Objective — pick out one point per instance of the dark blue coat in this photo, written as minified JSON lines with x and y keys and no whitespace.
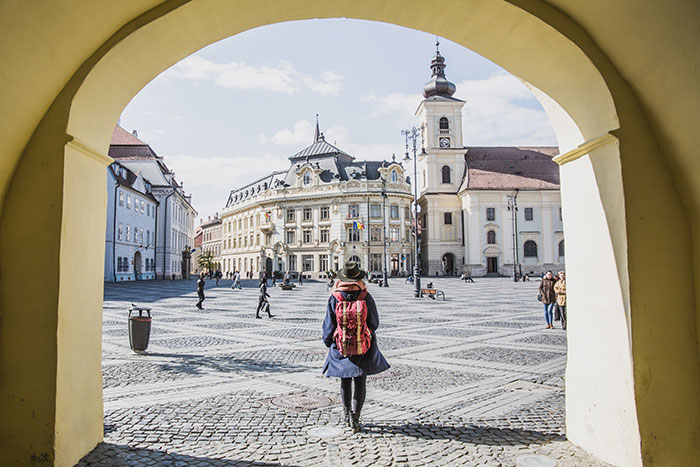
{"x":370,"y":363}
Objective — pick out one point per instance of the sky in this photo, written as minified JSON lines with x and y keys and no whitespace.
{"x":236,"y":110}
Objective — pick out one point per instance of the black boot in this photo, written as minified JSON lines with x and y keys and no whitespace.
{"x":345,"y":420}
{"x":355,"y":422}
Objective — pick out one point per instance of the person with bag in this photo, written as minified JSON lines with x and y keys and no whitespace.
{"x":548,"y":296}
{"x":200,"y":290}
{"x":263,"y":304}
{"x":349,"y":333}
{"x":560,"y":290}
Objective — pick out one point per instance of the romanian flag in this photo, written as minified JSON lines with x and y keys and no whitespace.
{"x":357,"y":225}
{"x":267,"y":216}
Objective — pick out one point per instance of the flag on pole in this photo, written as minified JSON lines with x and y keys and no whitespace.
{"x":357,"y":225}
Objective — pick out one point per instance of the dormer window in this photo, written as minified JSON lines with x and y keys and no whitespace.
{"x":307,"y":178}
{"x":394,"y":176}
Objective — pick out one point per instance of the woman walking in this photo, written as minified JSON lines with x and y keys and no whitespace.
{"x":549,"y":297}
{"x":560,"y":290}
{"x":349,"y":333}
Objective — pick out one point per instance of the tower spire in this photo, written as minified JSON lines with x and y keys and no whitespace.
{"x":317,"y":132}
{"x":438,"y":84}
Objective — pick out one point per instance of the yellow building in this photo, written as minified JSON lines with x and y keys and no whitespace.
{"x":618,"y":78}
{"x":323,"y":210}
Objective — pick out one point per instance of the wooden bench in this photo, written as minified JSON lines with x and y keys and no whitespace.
{"x":433,"y":293}
{"x":288,"y":287}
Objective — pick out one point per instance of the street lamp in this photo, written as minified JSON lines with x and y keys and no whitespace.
{"x":513,"y":208}
{"x":385,"y":277}
{"x":412,"y":135}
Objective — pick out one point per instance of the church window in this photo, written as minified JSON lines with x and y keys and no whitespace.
{"x":307,"y":214}
{"x":394,"y":211}
{"x":491,"y":237}
{"x":528,"y":214}
{"x":448,"y":218}
{"x":561,"y":248}
{"x":530,"y":249}
{"x":444,"y":123}
{"x":307,"y":178}
{"x":394,"y":176}
{"x":490,"y":214}
{"x":446,"y":174}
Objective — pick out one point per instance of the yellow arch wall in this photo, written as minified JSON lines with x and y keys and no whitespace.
{"x":633,"y":376}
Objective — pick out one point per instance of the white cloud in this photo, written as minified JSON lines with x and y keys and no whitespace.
{"x":395,"y":104}
{"x":282,"y":78}
{"x":302,"y":133}
{"x":500,"y":110}
{"x":210,"y":179}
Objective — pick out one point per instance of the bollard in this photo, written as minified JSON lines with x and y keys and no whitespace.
{"x":139,"y":328}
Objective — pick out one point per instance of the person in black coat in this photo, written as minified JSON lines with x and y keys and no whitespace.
{"x":262,"y":300}
{"x":200,"y":290}
{"x":354,"y":368}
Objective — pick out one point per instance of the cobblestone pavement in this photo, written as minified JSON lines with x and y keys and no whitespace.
{"x":475,"y":380}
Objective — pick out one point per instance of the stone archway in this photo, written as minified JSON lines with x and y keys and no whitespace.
{"x":137,"y":265}
{"x":59,"y":139}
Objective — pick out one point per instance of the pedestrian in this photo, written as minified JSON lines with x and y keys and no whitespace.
{"x":274,"y":279}
{"x":560,"y":290}
{"x":352,"y":343}
{"x":549,"y":297}
{"x":286,"y":278}
{"x":236,"y":280}
{"x":263,"y":303}
{"x":218,"y":275}
{"x":301,"y":279}
{"x":200,"y":290}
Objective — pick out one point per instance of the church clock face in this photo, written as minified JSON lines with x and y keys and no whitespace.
{"x":444,"y":142}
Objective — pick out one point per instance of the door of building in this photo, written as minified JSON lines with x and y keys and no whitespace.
{"x":492,"y":265}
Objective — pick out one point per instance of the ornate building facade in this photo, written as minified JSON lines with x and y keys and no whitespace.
{"x":484,"y":210}
{"x":322,"y":210}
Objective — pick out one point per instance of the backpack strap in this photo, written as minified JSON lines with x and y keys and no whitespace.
{"x":339,"y":296}
{"x":362,"y":295}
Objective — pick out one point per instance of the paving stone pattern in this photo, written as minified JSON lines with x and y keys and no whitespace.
{"x":475,"y":380}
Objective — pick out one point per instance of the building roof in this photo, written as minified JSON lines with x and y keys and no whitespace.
{"x":129,"y":179}
{"x":499,"y":168}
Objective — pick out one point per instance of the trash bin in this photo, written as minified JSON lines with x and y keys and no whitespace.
{"x":139,"y":328}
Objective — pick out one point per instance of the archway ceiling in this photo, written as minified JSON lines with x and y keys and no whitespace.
{"x":652,"y":44}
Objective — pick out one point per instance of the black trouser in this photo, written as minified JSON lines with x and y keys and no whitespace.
{"x":562,"y":313}
{"x":261,"y":302}
{"x":201,"y":299}
{"x":358,"y":398}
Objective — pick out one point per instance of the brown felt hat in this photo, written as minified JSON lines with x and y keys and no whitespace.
{"x":351,"y":272}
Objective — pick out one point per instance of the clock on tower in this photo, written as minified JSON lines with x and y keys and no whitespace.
{"x":444,"y":142}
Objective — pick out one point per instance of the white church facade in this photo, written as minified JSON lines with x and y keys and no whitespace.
{"x":484,"y":210}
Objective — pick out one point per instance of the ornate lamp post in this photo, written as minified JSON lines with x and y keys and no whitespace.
{"x":513,"y":208}
{"x":412,"y":135}
{"x":385,"y":277}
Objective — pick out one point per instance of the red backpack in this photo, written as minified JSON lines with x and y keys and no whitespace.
{"x":352,"y":336}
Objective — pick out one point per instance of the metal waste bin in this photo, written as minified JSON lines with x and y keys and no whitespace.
{"x":139,"y":328}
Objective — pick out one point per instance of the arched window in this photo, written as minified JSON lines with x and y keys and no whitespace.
{"x":307,"y":178}
{"x":394,"y":176}
{"x":444,"y":123}
{"x":561,"y":248}
{"x":530,"y":249}
{"x":446,"y":175}
{"x":491,"y":237}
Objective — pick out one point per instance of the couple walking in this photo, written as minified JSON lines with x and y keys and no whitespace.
{"x":553,"y":296}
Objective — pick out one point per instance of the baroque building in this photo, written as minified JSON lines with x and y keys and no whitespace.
{"x":325,"y":208}
{"x":174,"y":215}
{"x":484,"y":210}
{"x":211,"y":239}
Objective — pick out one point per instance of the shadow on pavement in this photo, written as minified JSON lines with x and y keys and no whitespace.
{"x":468,"y":433}
{"x":199,"y":364}
{"x":107,"y":454}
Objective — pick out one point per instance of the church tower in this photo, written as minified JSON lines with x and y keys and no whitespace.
{"x":441,"y":169}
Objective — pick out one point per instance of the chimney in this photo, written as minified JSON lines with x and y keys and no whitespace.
{"x":135,"y":133}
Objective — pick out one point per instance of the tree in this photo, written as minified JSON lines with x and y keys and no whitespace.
{"x":206,"y":261}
